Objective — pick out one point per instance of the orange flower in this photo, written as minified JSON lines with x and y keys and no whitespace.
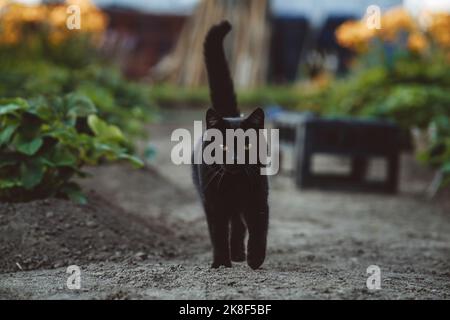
{"x":4,"y":3}
{"x":322,"y":80}
{"x":85,"y":5}
{"x":395,"y":21}
{"x":14,"y":16}
{"x":354,"y":35}
{"x":92,"y":19}
{"x":33,"y":13}
{"x":439,"y":29}
{"x":57,"y":36}
{"x":58,"y":17}
{"x":9,"y":36}
{"x":417,"y":42}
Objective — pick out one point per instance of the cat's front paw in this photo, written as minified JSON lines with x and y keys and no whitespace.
{"x":237,"y":251}
{"x":217,"y":264}
{"x":255,"y":264}
{"x":238,"y":256}
{"x":254,"y":261}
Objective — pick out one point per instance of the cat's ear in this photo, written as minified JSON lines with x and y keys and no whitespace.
{"x":213,"y":119}
{"x":256,"y":119}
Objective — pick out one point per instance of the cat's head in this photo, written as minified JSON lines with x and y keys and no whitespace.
{"x":250,"y":126}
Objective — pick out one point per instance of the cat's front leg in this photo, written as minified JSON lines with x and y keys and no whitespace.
{"x":257,"y":224}
{"x":219,"y":224}
{"x":238,"y":231}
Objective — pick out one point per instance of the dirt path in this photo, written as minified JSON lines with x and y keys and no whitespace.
{"x":320,"y":243}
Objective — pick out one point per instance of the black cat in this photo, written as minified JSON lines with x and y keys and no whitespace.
{"x":233,"y":195}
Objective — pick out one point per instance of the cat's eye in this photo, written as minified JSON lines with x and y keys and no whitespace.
{"x":248,"y":146}
{"x":224,"y":147}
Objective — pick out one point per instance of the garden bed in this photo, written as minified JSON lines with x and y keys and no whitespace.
{"x":56,"y":233}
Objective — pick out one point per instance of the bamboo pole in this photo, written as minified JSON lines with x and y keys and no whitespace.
{"x":247,"y":46}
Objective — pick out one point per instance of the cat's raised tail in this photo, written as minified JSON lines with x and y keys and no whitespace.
{"x":221,"y":87}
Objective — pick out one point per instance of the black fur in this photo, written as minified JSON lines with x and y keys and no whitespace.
{"x":222,"y":93}
{"x":234,"y":196}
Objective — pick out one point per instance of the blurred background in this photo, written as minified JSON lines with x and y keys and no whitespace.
{"x":132,"y":57}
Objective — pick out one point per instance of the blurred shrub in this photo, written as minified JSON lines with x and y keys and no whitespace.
{"x":44,"y":144}
{"x":168,"y":95}
{"x":34,"y":31}
{"x":402,"y":73}
{"x":399,"y":28}
{"x":75,"y":108}
{"x":39,"y":55}
{"x":288,"y":96}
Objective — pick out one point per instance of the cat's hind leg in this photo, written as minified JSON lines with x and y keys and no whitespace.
{"x":219,"y":226}
{"x":257,"y":224}
{"x":237,"y":245}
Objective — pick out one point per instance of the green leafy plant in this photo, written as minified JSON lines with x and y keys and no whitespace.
{"x":287,"y":96}
{"x":44,"y":143}
{"x":118,"y":101}
{"x":121,"y":102}
{"x":39,"y":56}
{"x":437,"y":153}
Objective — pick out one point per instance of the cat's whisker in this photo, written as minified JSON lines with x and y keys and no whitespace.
{"x":220,"y":170}
{"x":220,"y":179}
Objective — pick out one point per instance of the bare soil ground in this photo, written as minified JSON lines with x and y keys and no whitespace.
{"x":143,"y":236}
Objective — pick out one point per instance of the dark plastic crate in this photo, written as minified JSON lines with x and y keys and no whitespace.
{"x":358,"y":139}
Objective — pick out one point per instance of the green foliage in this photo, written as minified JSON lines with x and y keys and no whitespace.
{"x":75,"y":108}
{"x":44,"y":143}
{"x":168,"y":95}
{"x":119,"y":101}
{"x":39,"y":66}
{"x":438,"y":152}
{"x":288,"y":96}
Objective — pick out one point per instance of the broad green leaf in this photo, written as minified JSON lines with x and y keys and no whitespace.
{"x":80,"y":105}
{"x":32,"y":173}
{"x":135,"y":161}
{"x":28,"y":147}
{"x":6,"y":133}
{"x":64,"y":134}
{"x":74,"y":193}
{"x":104,"y":147}
{"x":102,"y":97}
{"x":48,"y":162}
{"x":6,"y":183}
{"x":62,"y":157}
{"x":40,"y":108}
{"x":8,"y":106}
{"x":77,"y":197}
{"x":104,"y":131}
